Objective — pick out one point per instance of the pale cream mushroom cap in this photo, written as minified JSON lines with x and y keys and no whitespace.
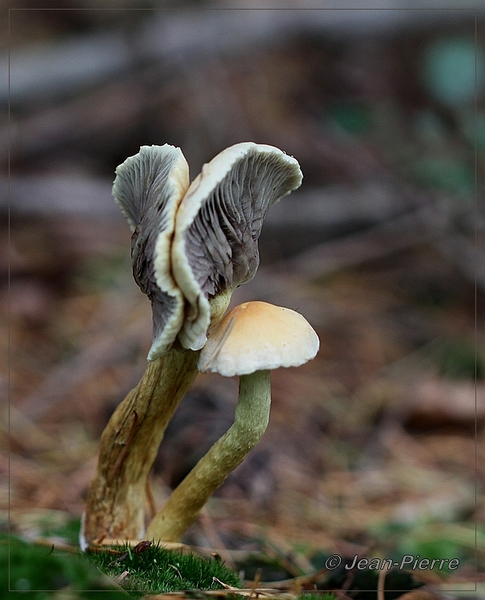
{"x":257,"y":336}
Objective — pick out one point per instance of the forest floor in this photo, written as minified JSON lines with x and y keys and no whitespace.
{"x":375,"y":448}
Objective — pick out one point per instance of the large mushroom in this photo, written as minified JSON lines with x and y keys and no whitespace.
{"x":218,"y":225}
{"x":191,"y":247}
{"x":250,"y":341}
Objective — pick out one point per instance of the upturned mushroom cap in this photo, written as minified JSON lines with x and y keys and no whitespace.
{"x":148,"y":188}
{"x":192,"y":246}
{"x":218,"y":225}
{"x":257,"y":336}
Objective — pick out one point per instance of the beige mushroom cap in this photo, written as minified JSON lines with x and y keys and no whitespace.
{"x":257,"y":336}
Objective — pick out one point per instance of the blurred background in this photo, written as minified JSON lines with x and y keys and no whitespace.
{"x":376,"y":446}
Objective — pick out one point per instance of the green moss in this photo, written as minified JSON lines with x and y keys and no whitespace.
{"x":157,"y":570}
{"x":37,"y":572}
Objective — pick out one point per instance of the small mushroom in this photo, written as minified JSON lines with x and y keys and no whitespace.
{"x":191,"y":247}
{"x":251,"y":339}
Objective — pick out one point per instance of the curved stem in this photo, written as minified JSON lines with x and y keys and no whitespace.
{"x":129,"y":444}
{"x":250,"y":422}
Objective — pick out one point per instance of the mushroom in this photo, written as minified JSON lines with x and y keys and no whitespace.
{"x":218,"y":224}
{"x":191,"y":247}
{"x":149,"y":188}
{"x":252,"y":339}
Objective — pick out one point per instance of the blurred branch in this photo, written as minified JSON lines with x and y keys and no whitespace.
{"x":428,"y":224}
{"x":45,"y":70}
{"x":357,"y":248}
{"x":319,"y":211}
{"x":58,"y":196}
{"x":310,"y":216}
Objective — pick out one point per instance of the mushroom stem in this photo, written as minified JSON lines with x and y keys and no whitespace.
{"x":188,"y":498}
{"x":129,"y":444}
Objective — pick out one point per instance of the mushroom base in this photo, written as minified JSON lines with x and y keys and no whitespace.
{"x":129,"y":444}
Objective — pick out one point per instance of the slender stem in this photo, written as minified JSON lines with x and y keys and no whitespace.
{"x":129,"y":444}
{"x":186,"y":501}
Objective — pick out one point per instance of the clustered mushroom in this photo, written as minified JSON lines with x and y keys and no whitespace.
{"x":192,"y":245}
